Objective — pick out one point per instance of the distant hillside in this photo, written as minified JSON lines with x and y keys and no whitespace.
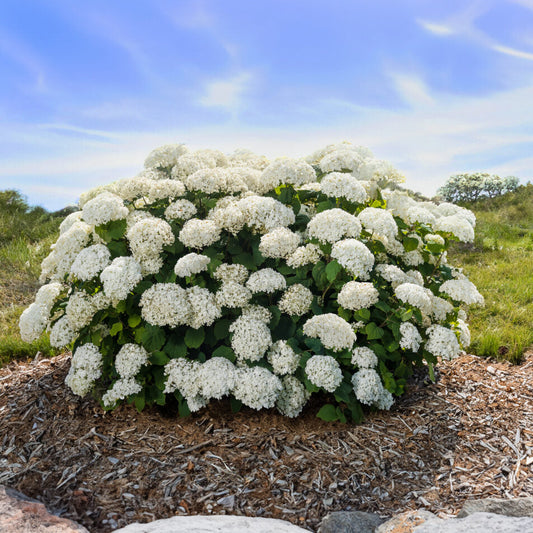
{"x":500,"y":263}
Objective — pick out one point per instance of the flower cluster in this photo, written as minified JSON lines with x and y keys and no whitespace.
{"x":210,"y":275}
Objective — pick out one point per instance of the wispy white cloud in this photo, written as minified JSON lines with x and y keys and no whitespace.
{"x":412,"y":89}
{"x":436,"y":29}
{"x":513,"y":52}
{"x":227,"y":93}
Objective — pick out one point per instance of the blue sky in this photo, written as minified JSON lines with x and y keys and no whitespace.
{"x":87,"y":89}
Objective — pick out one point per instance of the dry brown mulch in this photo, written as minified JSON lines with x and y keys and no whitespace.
{"x":470,"y":435}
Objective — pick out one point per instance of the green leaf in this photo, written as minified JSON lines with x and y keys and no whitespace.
{"x":225,"y":351}
{"x":340,"y":415}
{"x":194,"y":337}
{"x":314,"y":345}
{"x":344,"y":313}
{"x":276,"y":315}
{"x":159,"y":358}
{"x":344,"y":392}
{"x":431,"y":372}
{"x":373,"y":331}
{"x":333,"y":268}
{"x":96,"y":337}
{"x":134,"y":321}
{"x":319,"y":275}
{"x":245,"y":259}
{"x":363,"y":314}
{"x":221,"y":329}
{"x":383,"y":306}
{"x":115,"y":328}
{"x":323,"y":206}
{"x":140,"y":402}
{"x":112,"y":231}
{"x":328,"y":413}
{"x":406,"y":315}
{"x":435,"y":248}
{"x":175,"y":347}
{"x":121,"y":306}
{"x":153,"y":338}
{"x":410,"y":244}
{"x":118,"y":248}
{"x":236,"y":405}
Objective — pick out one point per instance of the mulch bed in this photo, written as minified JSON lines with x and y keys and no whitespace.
{"x":470,"y":435}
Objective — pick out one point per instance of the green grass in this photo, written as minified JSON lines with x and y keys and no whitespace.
{"x":26,"y":234}
{"x":500,"y":263}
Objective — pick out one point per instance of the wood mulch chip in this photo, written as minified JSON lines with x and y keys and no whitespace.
{"x":470,"y":435}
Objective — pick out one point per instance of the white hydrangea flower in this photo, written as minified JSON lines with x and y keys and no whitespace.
{"x":332,"y":330}
{"x":343,"y":185}
{"x":183,"y":376}
{"x":356,"y":295}
{"x":180,"y":210}
{"x":132,"y":189}
{"x":266,"y":280}
{"x":198,"y":233}
{"x":217,"y":377}
{"x":129,"y":360}
{"x":121,"y":389}
{"x":233,"y":295}
{"x":163,"y":189}
{"x":296,"y":300}
{"x":364,"y":357}
{"x":85,"y":369}
{"x":464,"y":333}
{"x":61,"y":334}
{"x":228,"y":215}
{"x":77,"y":216}
{"x":215,"y":180}
{"x":292,"y":397}
{"x":456,"y":225}
{"x":235,"y":272}
{"x":396,"y":276}
{"x":104,"y":208}
{"x":257,"y":312}
{"x":442,"y":342}
{"x":411,"y":338}
{"x":317,"y":155}
{"x":251,"y":177}
{"x":135,"y":216}
{"x":354,"y":256}
{"x":342,"y":159}
{"x":379,"y":222}
{"x":257,"y":387}
{"x":279,"y":243}
{"x":379,"y":170}
{"x":263,"y":214}
{"x":433,"y":238}
{"x":121,"y":277}
{"x":385,"y":400}
{"x":191,"y":264}
{"x":32,"y":322}
{"x":462,"y":290}
{"x":80,"y":310}
{"x":288,"y":171}
{"x":367,"y":386}
{"x":90,"y":262}
{"x":203,"y":306}
{"x":283,"y":358}
{"x":247,"y":160}
{"x":447,"y":209}
{"x":188,"y":164}
{"x":420,"y":215}
{"x":251,"y":338}
{"x":332,"y":225}
{"x":324,"y":371}
{"x":48,"y":294}
{"x":440,"y":308}
{"x":414,"y":295}
{"x":165,"y":304}
{"x":147,"y":239}
{"x":305,"y":255}
{"x":412,"y":258}
{"x":165,"y":156}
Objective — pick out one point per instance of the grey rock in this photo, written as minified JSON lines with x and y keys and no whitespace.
{"x":478,"y":523}
{"x":515,"y":507}
{"x":350,"y":522}
{"x":213,"y":524}
{"x":20,"y":514}
{"x":405,"y":522}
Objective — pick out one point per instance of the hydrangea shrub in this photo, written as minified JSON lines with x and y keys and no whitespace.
{"x":212,"y":275}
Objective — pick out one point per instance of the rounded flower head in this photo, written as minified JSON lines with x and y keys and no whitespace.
{"x":251,"y":338}
{"x":257,"y":387}
{"x":332,"y":330}
{"x":165,"y":304}
{"x":283,"y":358}
{"x":324,"y":371}
{"x":296,"y":300}
{"x":180,"y":210}
{"x":198,"y":233}
{"x":291,"y":171}
{"x":266,"y":280}
{"x":90,"y":262}
{"x":356,"y":295}
{"x":462,"y":290}
{"x":130,"y":359}
{"x":367,"y":386}
{"x":332,"y":225}
{"x":292,"y":397}
{"x":191,"y":264}
{"x":121,"y":277}
{"x":104,"y":208}
{"x":343,"y":185}
{"x":354,"y":256}
{"x":279,"y":243}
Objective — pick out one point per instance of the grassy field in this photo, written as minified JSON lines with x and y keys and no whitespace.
{"x":500,"y":263}
{"x":26,"y":234}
